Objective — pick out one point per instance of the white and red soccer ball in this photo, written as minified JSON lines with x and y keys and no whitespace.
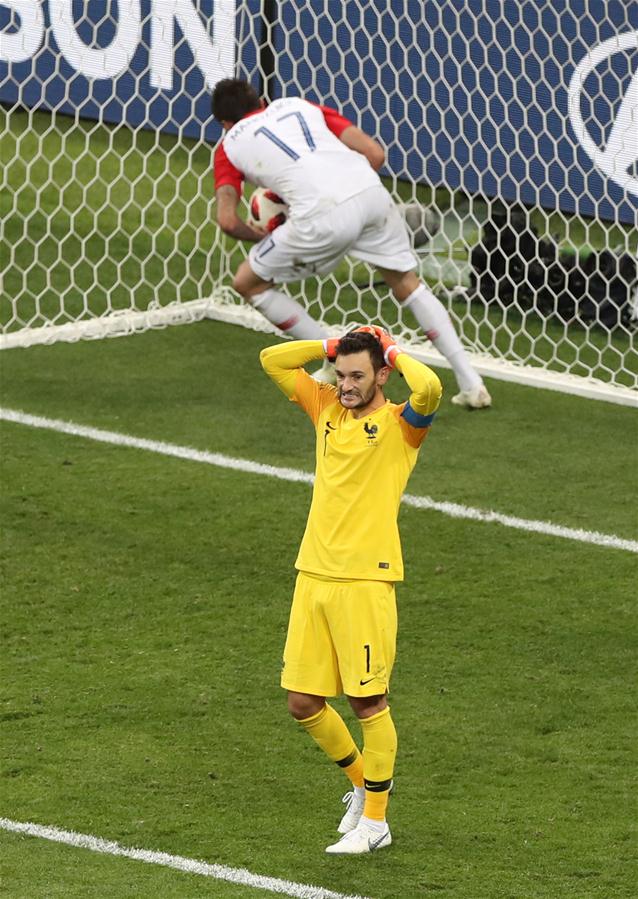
{"x":267,"y":210}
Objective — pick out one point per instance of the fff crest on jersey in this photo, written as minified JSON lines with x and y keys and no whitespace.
{"x":371,"y":431}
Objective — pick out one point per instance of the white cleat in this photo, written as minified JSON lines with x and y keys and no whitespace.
{"x":355,"y":800}
{"x":361,"y":840}
{"x":325,"y":375}
{"x":477,"y":398}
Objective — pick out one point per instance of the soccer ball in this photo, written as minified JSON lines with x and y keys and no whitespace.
{"x":267,"y":210}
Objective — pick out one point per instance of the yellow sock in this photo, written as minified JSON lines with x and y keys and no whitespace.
{"x":379,"y":752}
{"x":328,"y":729}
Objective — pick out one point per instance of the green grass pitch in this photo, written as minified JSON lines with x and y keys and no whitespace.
{"x":144,"y":608}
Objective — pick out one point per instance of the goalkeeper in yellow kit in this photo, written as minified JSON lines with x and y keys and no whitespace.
{"x":343,"y":620}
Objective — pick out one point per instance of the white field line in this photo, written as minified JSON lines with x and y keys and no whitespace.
{"x":454,"y":510}
{"x":189,"y":865}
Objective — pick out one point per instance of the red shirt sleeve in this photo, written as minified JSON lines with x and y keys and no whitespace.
{"x":225,"y":172}
{"x":335,"y":122}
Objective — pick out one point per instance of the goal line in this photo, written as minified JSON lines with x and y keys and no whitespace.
{"x":223,"y":307}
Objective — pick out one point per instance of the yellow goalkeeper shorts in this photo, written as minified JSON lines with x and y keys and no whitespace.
{"x":341,"y":637}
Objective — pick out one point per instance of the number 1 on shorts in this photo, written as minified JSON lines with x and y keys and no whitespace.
{"x":366,"y":646}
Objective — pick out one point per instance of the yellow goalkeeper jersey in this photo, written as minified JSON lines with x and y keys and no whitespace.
{"x":362,"y":466}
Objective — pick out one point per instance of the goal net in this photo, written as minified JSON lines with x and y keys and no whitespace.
{"x":511,"y":133}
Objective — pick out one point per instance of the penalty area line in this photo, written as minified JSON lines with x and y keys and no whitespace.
{"x":179,"y":863}
{"x":453,"y":510}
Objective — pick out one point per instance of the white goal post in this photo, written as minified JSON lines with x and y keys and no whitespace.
{"x":511,"y":133}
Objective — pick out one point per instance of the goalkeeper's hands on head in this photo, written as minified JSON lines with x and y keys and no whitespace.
{"x":388,"y":345}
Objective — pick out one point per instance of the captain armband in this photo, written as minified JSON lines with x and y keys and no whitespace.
{"x":415,"y":418}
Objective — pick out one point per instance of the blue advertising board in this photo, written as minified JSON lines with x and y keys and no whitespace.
{"x":149,"y":63}
{"x":475,"y":94}
{"x":531,"y":102}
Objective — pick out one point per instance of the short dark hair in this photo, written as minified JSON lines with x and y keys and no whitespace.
{"x":234,"y":98}
{"x":359,"y":342}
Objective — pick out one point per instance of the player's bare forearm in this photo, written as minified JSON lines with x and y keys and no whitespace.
{"x":241,"y":230}
{"x":360,"y":142}
{"x":229,"y":220}
{"x":423,"y":382}
{"x":282,"y":361}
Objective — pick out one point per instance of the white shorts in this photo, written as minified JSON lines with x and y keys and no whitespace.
{"x":367,"y":226}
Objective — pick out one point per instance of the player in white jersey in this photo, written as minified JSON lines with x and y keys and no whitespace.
{"x":325,"y":170}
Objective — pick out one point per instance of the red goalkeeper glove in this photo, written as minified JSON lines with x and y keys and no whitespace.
{"x":389,"y":347}
{"x":330,"y":348}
